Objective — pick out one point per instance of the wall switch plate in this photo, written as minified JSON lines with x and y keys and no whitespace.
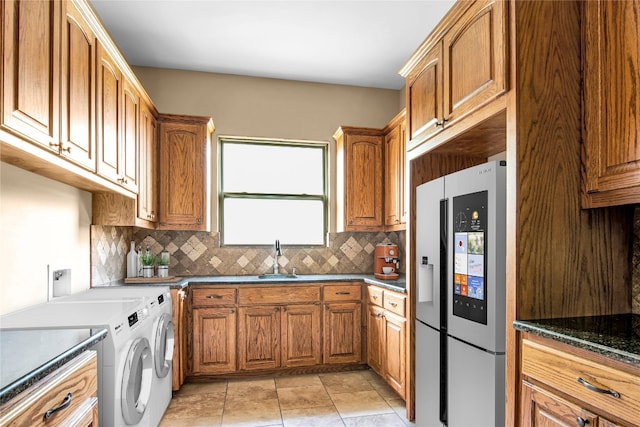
{"x":58,"y":281}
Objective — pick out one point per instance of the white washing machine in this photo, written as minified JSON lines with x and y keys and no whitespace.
{"x":161,"y":337}
{"x":125,"y":362}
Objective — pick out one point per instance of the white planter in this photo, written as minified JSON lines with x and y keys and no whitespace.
{"x":147,"y":271}
{"x":163,"y":271}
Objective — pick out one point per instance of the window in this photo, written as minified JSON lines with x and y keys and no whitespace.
{"x":272,"y":190}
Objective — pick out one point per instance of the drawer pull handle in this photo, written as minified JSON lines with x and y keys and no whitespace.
{"x":581,"y":422}
{"x":214,"y":296}
{"x":343,"y":293}
{"x":393,"y":304}
{"x":64,"y":405}
{"x":374,"y":296}
{"x":598,"y":389}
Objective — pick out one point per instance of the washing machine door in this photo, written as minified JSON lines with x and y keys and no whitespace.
{"x":163,"y":347}
{"x":136,"y":381}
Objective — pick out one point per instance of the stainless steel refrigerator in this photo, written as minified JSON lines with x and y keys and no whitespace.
{"x":460,"y":301}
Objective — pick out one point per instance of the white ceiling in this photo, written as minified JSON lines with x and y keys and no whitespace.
{"x":355,"y":42}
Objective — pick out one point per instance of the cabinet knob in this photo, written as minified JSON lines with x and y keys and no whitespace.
{"x":581,"y":422}
{"x":276,"y":309}
{"x":232,"y":311}
{"x":198,"y":220}
{"x":374,"y":296}
{"x":440,"y":124}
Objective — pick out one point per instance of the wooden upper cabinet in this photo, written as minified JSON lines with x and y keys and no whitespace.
{"x":474,"y":59}
{"x":394,"y":174}
{"x":424,"y":96}
{"x":78,"y":98}
{"x":130,"y":134}
{"x":360,"y":179}
{"x":31,"y":70}
{"x":611,"y":127}
{"x":148,"y":159}
{"x":183,"y":185}
{"x":460,"y":68}
{"x":108,"y":120}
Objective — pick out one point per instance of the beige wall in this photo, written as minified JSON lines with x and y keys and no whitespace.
{"x":41,"y":222}
{"x":269,"y":108}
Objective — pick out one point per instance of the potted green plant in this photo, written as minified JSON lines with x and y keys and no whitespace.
{"x":163,"y":264}
{"x":147,"y":259}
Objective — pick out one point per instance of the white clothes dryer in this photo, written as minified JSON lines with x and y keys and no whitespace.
{"x":161,"y":337}
{"x":125,"y":364}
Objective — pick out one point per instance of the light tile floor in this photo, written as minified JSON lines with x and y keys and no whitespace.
{"x":345,"y":399}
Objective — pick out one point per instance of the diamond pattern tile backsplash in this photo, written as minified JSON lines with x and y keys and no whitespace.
{"x":200,"y":254}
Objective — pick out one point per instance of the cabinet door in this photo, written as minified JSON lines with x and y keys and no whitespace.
{"x":364,"y":183}
{"x":259,"y":337}
{"x":474,"y":59}
{"x":394,"y":352}
{"x":179,"y":367}
{"x":375,"y":339}
{"x":424,"y":96}
{"x":109,"y":90}
{"x":78,"y":89}
{"x":394,"y":169}
{"x":182,"y":172}
{"x":611,"y":155}
{"x":31,"y":70}
{"x":147,"y":180}
{"x":342,"y":333}
{"x":301,"y":335}
{"x":214,"y":340}
{"x":130,"y":135}
{"x":540,"y":408}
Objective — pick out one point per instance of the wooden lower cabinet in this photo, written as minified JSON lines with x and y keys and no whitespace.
{"x":179,"y":368}
{"x":273,"y":337}
{"x":386,"y":336}
{"x":214,"y":340}
{"x":76,"y":382}
{"x":259,"y":337}
{"x":342,"y":332}
{"x":394,"y":352}
{"x":553,"y":395}
{"x":241,"y":329}
{"x":301,"y":335}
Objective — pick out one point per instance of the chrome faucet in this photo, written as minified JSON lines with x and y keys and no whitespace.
{"x":278,"y":253}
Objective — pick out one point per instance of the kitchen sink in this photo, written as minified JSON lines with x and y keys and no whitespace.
{"x":278,"y":276}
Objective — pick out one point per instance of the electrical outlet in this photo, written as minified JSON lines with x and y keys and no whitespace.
{"x":58,"y":281}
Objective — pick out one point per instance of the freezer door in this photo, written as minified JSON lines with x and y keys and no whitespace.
{"x":427,"y":376}
{"x":476,"y":386}
{"x":461,"y":188}
{"x":428,"y":197}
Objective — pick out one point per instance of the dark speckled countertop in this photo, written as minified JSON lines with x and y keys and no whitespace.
{"x":27,"y":356}
{"x":614,"y":336}
{"x":398,"y":285}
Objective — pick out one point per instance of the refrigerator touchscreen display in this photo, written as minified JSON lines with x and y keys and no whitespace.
{"x":469,"y":243}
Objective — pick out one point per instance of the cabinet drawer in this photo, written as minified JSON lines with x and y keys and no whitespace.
{"x":374,"y":295}
{"x":213,"y":296}
{"x":394,"y":303}
{"x":561,"y":370}
{"x":279,"y":295}
{"x":79,"y":378}
{"x":343,"y":292}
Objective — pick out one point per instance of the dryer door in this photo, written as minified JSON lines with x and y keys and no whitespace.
{"x":136,"y":381}
{"x":163,"y":345}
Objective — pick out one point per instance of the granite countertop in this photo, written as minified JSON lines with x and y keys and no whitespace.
{"x":28,"y":355}
{"x":613,"y":336}
{"x":398,"y":285}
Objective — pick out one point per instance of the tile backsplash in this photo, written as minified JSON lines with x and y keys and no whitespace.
{"x":200,"y":254}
